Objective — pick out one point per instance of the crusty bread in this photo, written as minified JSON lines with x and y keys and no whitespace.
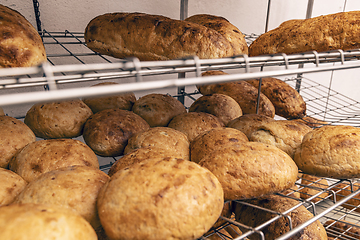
{"x":330,"y":151}
{"x":43,"y":156}
{"x":123,"y":101}
{"x":162,"y":137}
{"x":153,"y":37}
{"x":287,"y":101}
{"x":11,"y":184}
{"x":225,"y":28}
{"x":344,"y":189}
{"x":160,"y":198}
{"x":14,"y":136}
{"x":74,"y":187}
{"x":347,"y":229}
{"x":220,"y":105}
{"x":253,"y":217}
{"x":204,"y":144}
{"x":62,"y":119}
{"x":158,"y":109}
{"x":107,"y":132}
{"x":312,"y":185}
{"x":43,"y":221}
{"x":322,"y":33}
{"x":20,"y":43}
{"x":251,"y":170}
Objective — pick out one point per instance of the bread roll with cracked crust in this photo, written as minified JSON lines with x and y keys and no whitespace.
{"x":153,"y":37}
{"x":11,"y":185}
{"x":251,"y":170}
{"x":20,"y":43}
{"x":330,"y":151}
{"x":136,"y":202}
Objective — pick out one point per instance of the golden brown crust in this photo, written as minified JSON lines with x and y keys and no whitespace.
{"x":346,"y":228}
{"x":136,"y":202}
{"x":253,"y":217}
{"x":330,"y":151}
{"x":153,"y":37}
{"x":195,"y":123}
{"x":323,"y":33}
{"x":158,"y":109}
{"x":220,"y":105}
{"x":74,"y":187}
{"x":123,"y":101}
{"x":225,"y":28}
{"x":11,"y":185}
{"x":15,"y":135}
{"x":161,"y":137}
{"x":243,"y":93}
{"x":47,"y":155}
{"x":107,"y":132}
{"x":40,"y":221}
{"x":20,"y":43}
{"x":313,"y":185}
{"x":204,"y":144}
{"x":283,"y":134}
{"x":344,"y":189}
{"x":63,"y":119}
{"x":251,"y":170}
{"x":287,"y":101}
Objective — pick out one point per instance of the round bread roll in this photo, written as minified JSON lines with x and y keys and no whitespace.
{"x":222,"y":106}
{"x":63,"y":119}
{"x":204,"y":144}
{"x":46,"y":155}
{"x":123,"y":101}
{"x":158,"y":109}
{"x":74,"y":187}
{"x":253,"y":217}
{"x":284,"y":134}
{"x":14,"y":136}
{"x":249,"y":123}
{"x":312,"y":185}
{"x":107,"y":132}
{"x":195,"y":123}
{"x":11,"y":185}
{"x":40,"y":221}
{"x":330,"y":151}
{"x":163,"y":137}
{"x":251,"y":170}
{"x":20,"y":43}
{"x":160,"y":198}
{"x":139,"y":155}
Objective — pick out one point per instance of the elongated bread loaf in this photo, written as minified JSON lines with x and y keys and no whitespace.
{"x":323,"y":33}
{"x":153,"y":37}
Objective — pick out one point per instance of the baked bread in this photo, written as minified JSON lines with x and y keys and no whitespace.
{"x":287,"y":101}
{"x":41,"y":221}
{"x":251,"y":170}
{"x":345,"y":228}
{"x":20,"y":43}
{"x":312,"y":185}
{"x":344,"y":189}
{"x":14,"y":136}
{"x":225,"y":28}
{"x":163,"y":137}
{"x":153,"y":37}
{"x":311,"y":121}
{"x":283,"y":134}
{"x":158,"y":109}
{"x":243,"y":93}
{"x":64,"y":119}
{"x":195,"y":123}
{"x":107,"y":132}
{"x":11,"y":185}
{"x":330,"y":151}
{"x":222,"y":106}
{"x":204,"y":144}
{"x":160,"y":198}
{"x":43,"y":156}
{"x":253,"y":217}
{"x":249,"y":123}
{"x":74,"y":187}
{"x":322,"y":33}
{"x":123,"y":101}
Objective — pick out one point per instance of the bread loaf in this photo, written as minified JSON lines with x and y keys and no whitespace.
{"x":345,"y":228}
{"x":323,"y":33}
{"x":20,"y":43}
{"x":153,"y":37}
{"x":312,"y":185}
{"x":11,"y":184}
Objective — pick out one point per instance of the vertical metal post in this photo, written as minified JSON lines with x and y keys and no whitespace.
{"x":267,"y":16}
{"x":37,"y":15}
